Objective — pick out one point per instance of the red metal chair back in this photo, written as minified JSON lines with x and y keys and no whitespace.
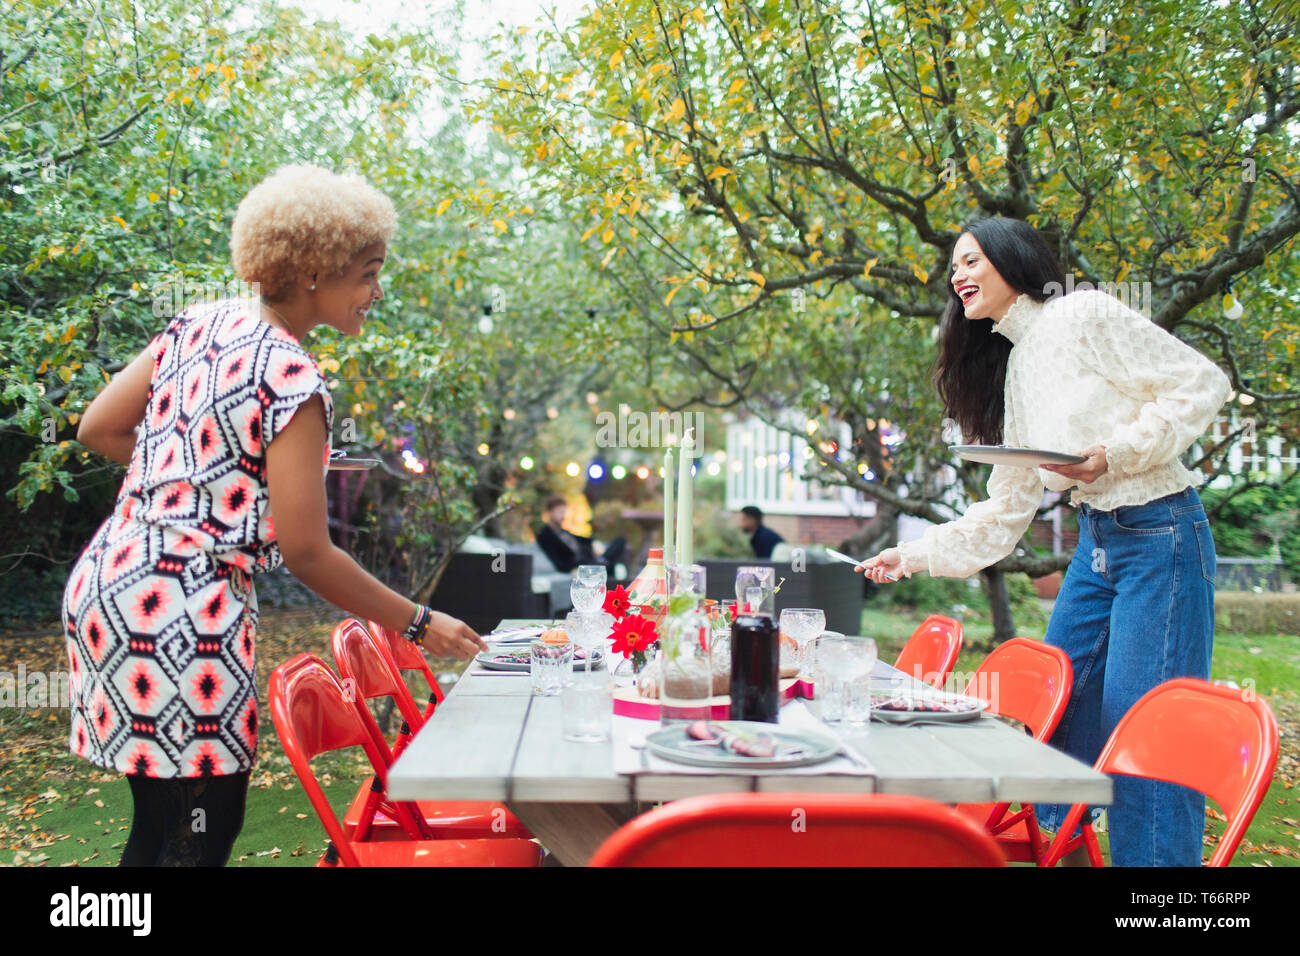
{"x":1025,"y":680}
{"x":313,"y":715}
{"x":1028,"y":681}
{"x":367,"y":661}
{"x":806,"y":829}
{"x":931,"y":651}
{"x":1221,"y":741}
{"x":408,"y":657}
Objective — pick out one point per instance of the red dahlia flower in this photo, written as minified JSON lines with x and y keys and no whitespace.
{"x":633,"y":634}
{"x":617,"y":602}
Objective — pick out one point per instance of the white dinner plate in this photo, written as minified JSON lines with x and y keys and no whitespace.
{"x":907,"y":707}
{"x":353,"y":464}
{"x":793,"y":749}
{"x":1018,"y":457}
{"x":512,"y":657}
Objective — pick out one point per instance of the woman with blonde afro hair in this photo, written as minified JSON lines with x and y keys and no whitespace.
{"x":223,"y":423}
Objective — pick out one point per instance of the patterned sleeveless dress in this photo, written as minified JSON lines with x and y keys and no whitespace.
{"x":160,"y":612}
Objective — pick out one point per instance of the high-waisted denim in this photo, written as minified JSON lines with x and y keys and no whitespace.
{"x":1136,"y":609}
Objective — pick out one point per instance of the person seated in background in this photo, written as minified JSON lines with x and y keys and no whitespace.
{"x":568,"y":550}
{"x":761,"y":538}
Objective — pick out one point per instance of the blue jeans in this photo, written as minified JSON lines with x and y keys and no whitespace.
{"x":1136,"y":609}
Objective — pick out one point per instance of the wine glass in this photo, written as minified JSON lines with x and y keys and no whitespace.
{"x":847,"y":663}
{"x":803,"y":624}
{"x":587,"y":589}
{"x":587,"y":629}
{"x":755,"y":585}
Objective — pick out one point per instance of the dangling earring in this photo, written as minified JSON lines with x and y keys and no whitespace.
{"x":313,"y":287}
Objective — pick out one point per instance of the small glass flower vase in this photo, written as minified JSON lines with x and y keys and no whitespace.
{"x":685,"y":669}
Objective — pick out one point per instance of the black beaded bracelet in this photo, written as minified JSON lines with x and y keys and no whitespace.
{"x":415,"y":631}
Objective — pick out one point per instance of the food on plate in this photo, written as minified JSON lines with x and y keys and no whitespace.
{"x":746,"y":745}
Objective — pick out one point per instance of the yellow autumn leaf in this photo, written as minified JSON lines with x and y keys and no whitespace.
{"x":120,"y":221}
{"x":757,"y":279}
{"x":443,"y":207}
{"x":615,"y":58}
{"x":68,"y":335}
{"x":870,"y":264}
{"x":676,"y":111}
{"x":668,"y":299}
{"x":541,"y":151}
{"x":154,"y":197}
{"x":45,"y":363}
{"x":1022,"y":113}
{"x":609,"y":255}
{"x":499,"y":225}
{"x":736,"y":86}
{"x":719,"y":172}
{"x":918,"y":272}
{"x":607,"y":236}
{"x":74,"y":418}
{"x":587,"y":235}
{"x":65,"y":373}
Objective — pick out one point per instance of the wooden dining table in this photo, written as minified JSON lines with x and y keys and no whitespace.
{"x":492,"y":739}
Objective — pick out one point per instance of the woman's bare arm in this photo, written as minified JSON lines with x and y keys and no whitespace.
{"x":298,"y":506}
{"x":108,"y":424}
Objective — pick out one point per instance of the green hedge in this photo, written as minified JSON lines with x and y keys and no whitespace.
{"x":1242,"y":612}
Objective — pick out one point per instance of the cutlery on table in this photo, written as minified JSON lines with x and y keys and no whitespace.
{"x":841,"y":556}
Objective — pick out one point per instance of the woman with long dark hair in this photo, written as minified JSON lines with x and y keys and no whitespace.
{"x":1023,"y":365}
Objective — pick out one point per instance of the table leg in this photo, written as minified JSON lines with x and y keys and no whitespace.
{"x":573,"y":831}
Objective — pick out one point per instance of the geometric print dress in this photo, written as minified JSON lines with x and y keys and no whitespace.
{"x":160,"y":612}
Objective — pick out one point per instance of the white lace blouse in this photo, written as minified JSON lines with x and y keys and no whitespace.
{"x":1084,"y":369}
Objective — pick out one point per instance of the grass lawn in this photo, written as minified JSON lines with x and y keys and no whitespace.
{"x":57,"y":810}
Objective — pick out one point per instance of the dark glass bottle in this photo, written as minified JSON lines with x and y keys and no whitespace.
{"x":755,"y":668}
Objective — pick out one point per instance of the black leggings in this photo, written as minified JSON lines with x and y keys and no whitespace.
{"x":186,"y":821}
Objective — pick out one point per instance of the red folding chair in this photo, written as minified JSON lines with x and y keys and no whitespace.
{"x":800,"y":829}
{"x":1028,"y":681}
{"x":369,"y":671}
{"x":313,"y":716}
{"x":409,"y":657}
{"x":1195,"y":734}
{"x":931,"y":651}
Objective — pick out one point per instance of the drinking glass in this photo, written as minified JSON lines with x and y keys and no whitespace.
{"x":587,"y":707}
{"x":755,"y":587}
{"x":684,"y":579}
{"x":551,"y":666}
{"x":803,"y":624}
{"x":844,"y":666}
{"x":685,"y":669}
{"x":587,"y":590}
{"x":587,"y":630}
